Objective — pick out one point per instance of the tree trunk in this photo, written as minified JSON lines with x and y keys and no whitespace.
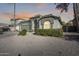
{"x":76,"y":15}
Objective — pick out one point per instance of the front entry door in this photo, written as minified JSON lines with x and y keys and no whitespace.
{"x":47,"y":25}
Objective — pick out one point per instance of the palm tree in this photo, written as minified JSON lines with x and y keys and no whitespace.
{"x":64,"y":7}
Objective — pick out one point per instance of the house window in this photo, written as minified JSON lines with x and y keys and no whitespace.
{"x":47,"y":25}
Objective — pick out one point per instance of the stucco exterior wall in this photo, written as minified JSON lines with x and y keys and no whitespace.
{"x":40,"y":25}
{"x":56,"y":24}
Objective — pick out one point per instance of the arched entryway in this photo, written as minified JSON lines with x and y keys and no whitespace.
{"x":47,"y":25}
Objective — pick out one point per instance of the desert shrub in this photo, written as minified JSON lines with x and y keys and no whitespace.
{"x":23,"y":32}
{"x":49,"y":32}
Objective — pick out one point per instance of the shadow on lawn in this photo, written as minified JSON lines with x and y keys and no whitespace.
{"x":72,"y":37}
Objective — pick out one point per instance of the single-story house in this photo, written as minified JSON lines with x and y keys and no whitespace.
{"x":24,"y":25}
{"x":46,"y":22}
{"x":40,"y":22}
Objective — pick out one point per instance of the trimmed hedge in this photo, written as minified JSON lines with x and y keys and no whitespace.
{"x":23,"y":32}
{"x":49,"y":32}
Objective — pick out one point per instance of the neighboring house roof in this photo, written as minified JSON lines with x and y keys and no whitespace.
{"x":20,"y":19}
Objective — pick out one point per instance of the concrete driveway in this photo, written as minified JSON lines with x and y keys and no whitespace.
{"x":33,"y":45}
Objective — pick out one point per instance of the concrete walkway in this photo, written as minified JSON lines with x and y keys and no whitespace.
{"x":33,"y":45}
{"x":71,"y":33}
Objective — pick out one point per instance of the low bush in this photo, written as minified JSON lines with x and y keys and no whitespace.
{"x":23,"y":32}
{"x":49,"y":32}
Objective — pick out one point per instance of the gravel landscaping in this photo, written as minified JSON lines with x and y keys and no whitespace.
{"x":33,"y":45}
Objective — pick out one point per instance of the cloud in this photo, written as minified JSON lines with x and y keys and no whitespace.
{"x":6,"y":15}
{"x":24,"y":15}
{"x":65,"y":16}
{"x":41,"y":5}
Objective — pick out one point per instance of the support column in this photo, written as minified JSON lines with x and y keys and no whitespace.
{"x":33,"y":25}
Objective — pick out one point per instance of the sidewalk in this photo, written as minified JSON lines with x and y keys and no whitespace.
{"x":70,"y":33}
